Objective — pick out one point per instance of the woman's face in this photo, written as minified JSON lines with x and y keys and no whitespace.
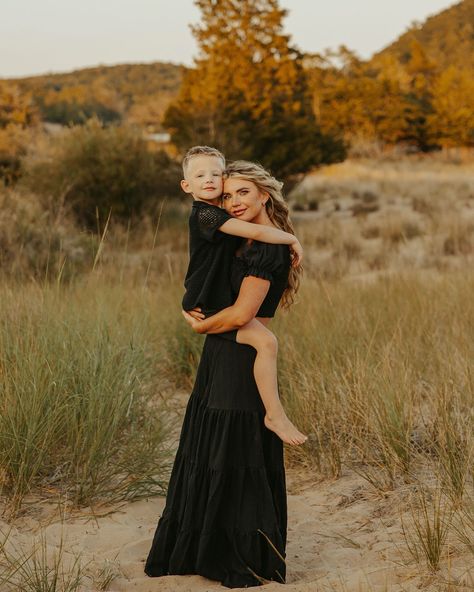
{"x":243,"y":200}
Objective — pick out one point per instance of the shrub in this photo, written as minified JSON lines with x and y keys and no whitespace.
{"x":34,"y":244}
{"x":95,"y":169}
{"x":370,"y":231}
{"x":13,"y":142}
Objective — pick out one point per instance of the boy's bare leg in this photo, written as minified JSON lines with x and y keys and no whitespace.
{"x":262,"y":339}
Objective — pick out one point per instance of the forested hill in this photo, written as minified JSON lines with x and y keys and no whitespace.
{"x":447,"y":38}
{"x":138,"y":93}
{"x":418,"y":89}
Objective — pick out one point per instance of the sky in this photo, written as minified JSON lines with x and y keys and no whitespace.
{"x":39,"y":36}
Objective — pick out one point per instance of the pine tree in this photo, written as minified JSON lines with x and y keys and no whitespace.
{"x":248,"y":93}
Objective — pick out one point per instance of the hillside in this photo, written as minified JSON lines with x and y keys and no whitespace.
{"x":447,"y":38}
{"x":138,"y":93}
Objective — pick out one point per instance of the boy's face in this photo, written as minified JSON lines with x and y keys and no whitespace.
{"x":203,"y":177}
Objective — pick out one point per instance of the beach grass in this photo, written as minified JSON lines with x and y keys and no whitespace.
{"x":380,"y":374}
{"x":81,"y":411}
{"x":375,"y":360}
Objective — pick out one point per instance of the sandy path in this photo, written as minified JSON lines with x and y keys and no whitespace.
{"x":342,"y":536}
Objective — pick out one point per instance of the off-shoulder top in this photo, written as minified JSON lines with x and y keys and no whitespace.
{"x":266,"y":261}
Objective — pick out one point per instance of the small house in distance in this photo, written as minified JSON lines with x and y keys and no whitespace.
{"x":159,"y":137}
{"x":160,"y":141}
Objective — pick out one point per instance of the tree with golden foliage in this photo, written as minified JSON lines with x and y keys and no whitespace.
{"x":452,"y":120}
{"x":248,"y":93}
{"x":15,"y":107}
{"x":17,"y":116}
{"x":421,"y":71}
{"x":355,"y":100}
{"x":77,"y":103}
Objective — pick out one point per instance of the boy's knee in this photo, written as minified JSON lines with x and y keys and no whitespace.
{"x":269,"y":343}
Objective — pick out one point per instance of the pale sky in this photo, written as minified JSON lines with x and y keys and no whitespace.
{"x":39,"y":36}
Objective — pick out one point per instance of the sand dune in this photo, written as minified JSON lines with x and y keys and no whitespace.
{"x":342,"y":535}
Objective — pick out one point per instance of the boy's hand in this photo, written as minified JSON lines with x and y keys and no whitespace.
{"x":296,"y":253}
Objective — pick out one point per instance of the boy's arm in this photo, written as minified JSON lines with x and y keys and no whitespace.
{"x":260,"y":232}
{"x":264,"y":234}
{"x":251,"y":295}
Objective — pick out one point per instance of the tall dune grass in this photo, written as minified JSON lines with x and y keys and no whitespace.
{"x":426,"y":538}
{"x":381,"y":373}
{"x":39,"y":569}
{"x":80,"y":377}
{"x":378,"y":372}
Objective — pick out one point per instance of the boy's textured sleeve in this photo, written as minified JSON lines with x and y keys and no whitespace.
{"x":210,"y":219}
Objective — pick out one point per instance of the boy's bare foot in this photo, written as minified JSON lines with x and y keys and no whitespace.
{"x":284,"y":429}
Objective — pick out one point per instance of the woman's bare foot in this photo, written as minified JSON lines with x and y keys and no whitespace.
{"x":284,"y":429}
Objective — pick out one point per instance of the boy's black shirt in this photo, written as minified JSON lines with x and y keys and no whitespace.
{"x":207,"y":282}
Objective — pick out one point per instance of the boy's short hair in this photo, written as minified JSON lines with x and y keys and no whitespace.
{"x":197,"y":151}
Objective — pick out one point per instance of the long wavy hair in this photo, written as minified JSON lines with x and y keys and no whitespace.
{"x":277,"y":210}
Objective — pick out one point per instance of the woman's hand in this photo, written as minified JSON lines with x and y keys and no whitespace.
{"x":196,"y":324}
{"x":296,"y":253}
{"x":197,"y":314}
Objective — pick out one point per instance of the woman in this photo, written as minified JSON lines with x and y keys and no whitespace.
{"x":225,"y":516}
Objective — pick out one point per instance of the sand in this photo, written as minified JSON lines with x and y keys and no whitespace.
{"x":343,"y":535}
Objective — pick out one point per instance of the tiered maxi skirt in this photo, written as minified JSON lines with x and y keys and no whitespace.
{"x":225,"y":516}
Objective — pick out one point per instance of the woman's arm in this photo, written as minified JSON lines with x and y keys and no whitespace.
{"x":264,"y":234}
{"x":251,"y":295}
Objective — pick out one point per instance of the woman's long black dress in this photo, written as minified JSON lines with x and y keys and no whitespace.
{"x":225,"y":516}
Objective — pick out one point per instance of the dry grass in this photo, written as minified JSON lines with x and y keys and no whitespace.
{"x":380,"y":375}
{"x":81,"y":415}
{"x":375,"y":358}
{"x":367,"y":365}
{"x":37,"y":569}
{"x":34,"y":243}
{"x":407,"y":214}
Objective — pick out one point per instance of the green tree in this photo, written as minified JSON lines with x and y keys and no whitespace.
{"x":248,"y":93}
{"x":93,"y":168}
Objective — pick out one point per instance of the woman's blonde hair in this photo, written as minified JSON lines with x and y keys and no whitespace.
{"x":277,"y":210}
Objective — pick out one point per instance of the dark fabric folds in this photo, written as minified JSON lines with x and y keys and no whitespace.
{"x":225,"y":516}
{"x":211,"y":252}
{"x":265,"y":261}
{"x":260,"y":273}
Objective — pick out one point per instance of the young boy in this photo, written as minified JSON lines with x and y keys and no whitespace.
{"x":207,"y":280}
